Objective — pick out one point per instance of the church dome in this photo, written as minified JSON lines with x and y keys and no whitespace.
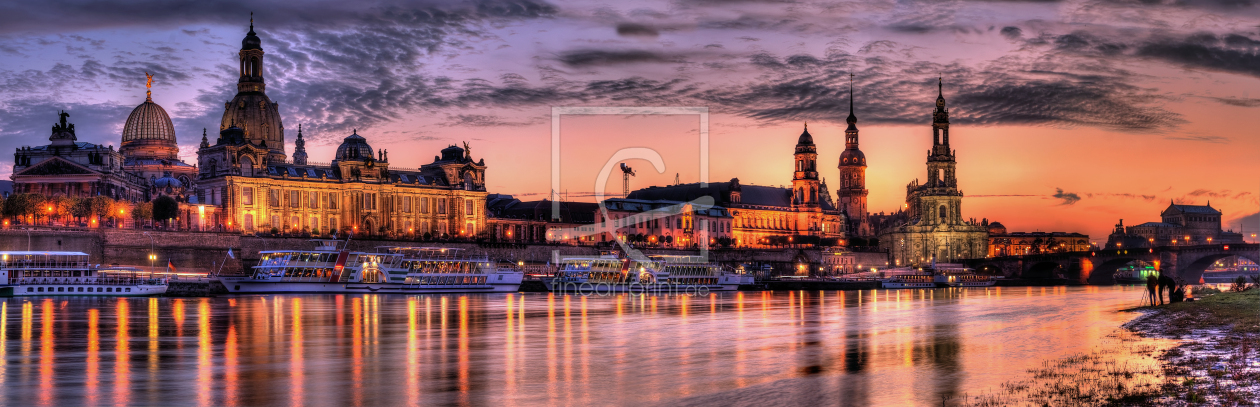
{"x":251,"y":40}
{"x":168,"y":184}
{"x":805,"y":144}
{"x":354,"y":147}
{"x":149,"y":133}
{"x":805,"y":138}
{"x":852,"y":157}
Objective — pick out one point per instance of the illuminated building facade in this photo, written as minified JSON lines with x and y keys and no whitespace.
{"x":245,"y":172}
{"x":933,"y":227}
{"x":1179,"y":225}
{"x":1004,"y":243}
{"x":763,"y":216}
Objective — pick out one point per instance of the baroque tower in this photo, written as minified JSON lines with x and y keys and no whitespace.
{"x":852,"y":190}
{"x":938,"y":201}
{"x":934,"y":228}
{"x":805,"y":185}
{"x":251,"y":109}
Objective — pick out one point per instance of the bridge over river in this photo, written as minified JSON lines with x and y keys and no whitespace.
{"x":1186,"y":263}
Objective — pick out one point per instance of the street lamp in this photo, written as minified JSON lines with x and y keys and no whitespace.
{"x":152,"y":250}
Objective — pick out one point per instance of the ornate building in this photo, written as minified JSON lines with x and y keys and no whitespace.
{"x":1179,"y":225}
{"x":934,"y":228}
{"x":251,"y":110}
{"x":244,"y":171}
{"x":1005,"y":243}
{"x":765,"y":215}
{"x":149,"y":151}
{"x":150,"y":147}
{"x":69,"y":167}
{"x":852,"y":189}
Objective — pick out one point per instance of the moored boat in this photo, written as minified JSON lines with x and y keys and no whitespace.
{"x":399,"y":270}
{"x":907,"y":278}
{"x":610,"y":273}
{"x":36,"y":273}
{"x":956,"y":275}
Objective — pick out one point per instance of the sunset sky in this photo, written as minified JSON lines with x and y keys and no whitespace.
{"x":1066,"y":115}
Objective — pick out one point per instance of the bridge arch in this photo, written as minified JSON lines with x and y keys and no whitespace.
{"x":1044,"y":270}
{"x":1191,"y":273}
{"x":1105,"y":272}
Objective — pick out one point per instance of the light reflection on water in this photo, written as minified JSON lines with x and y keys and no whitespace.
{"x":878,"y":347}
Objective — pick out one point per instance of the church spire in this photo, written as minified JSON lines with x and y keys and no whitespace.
{"x":852,"y":120}
{"x":299,"y":148}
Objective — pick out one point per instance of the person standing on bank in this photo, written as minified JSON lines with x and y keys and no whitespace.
{"x":1152,"y":284}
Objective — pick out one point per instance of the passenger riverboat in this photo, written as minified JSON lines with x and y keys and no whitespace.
{"x":939,"y":275}
{"x":610,"y":273}
{"x":956,"y":275}
{"x":400,"y":270}
{"x":35,"y":273}
{"x":907,"y":278}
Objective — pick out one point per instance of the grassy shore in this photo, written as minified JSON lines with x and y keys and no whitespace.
{"x":1218,"y":361}
{"x":1205,"y":352}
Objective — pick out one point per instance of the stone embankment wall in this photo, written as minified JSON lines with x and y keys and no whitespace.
{"x":201,"y":252}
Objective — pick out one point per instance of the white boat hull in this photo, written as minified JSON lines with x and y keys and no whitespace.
{"x":86,"y":290}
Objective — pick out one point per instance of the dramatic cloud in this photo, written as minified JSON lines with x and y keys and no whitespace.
{"x":1067,"y":197}
{"x":636,"y":30}
{"x":588,"y":57}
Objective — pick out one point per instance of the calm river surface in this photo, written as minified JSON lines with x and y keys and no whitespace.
{"x":875,"y":347}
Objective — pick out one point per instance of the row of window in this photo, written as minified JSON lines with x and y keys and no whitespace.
{"x":368,"y":201}
{"x":80,"y":289}
{"x":447,"y":280}
{"x":676,"y":223}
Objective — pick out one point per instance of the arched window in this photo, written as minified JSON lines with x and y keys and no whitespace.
{"x":255,"y":68}
{"x":247,"y":166}
{"x":944,"y":212}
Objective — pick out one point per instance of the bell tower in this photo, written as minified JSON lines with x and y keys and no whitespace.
{"x":251,"y":110}
{"x":940,"y":163}
{"x":852,"y":190}
{"x":805,"y":186}
{"x":940,"y":202}
{"x":251,"y":62}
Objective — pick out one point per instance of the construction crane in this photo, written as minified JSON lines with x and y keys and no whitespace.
{"x":626,"y":173}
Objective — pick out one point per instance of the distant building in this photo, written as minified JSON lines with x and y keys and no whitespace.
{"x":934,"y":228}
{"x":668,"y":223}
{"x":511,"y":220}
{"x":1179,"y":225}
{"x":837,"y":261}
{"x":1004,"y":243}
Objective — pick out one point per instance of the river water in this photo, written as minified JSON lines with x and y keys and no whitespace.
{"x":874,"y":347}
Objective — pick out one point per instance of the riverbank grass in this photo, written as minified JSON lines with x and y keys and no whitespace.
{"x":1238,"y":312}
